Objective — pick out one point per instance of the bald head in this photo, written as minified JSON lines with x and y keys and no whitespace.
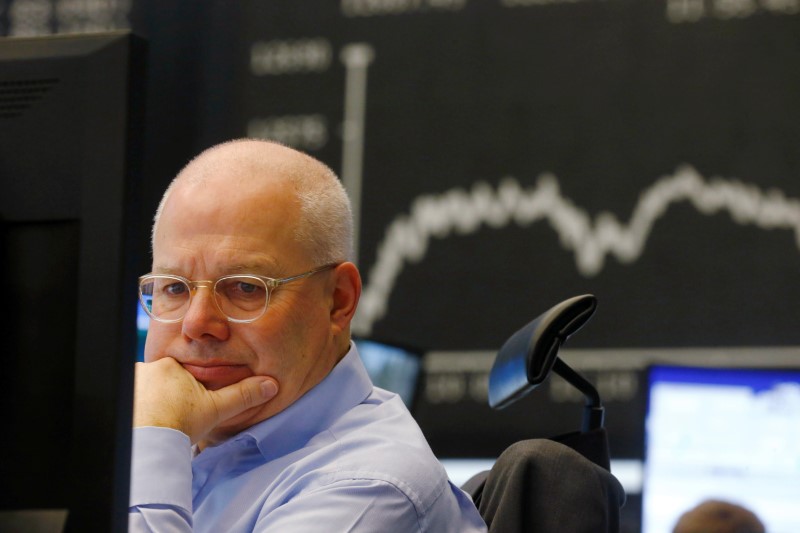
{"x":716,"y":516}
{"x":323,"y":222}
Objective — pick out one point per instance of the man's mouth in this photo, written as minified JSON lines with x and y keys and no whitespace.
{"x":216,"y":376}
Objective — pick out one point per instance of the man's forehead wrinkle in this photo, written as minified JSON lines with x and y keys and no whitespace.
{"x":157,"y":269}
{"x":221,"y":260}
{"x":256,"y":267}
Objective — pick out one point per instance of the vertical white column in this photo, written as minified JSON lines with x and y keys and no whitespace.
{"x":356,"y":58}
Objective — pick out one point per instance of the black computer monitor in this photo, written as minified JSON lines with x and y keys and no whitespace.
{"x":70,"y":136}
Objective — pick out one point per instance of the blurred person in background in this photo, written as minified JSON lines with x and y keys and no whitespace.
{"x":717,"y":516}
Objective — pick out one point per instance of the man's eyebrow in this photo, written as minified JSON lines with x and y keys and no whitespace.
{"x":264,"y":268}
{"x":258,"y":267}
{"x":166,"y":270}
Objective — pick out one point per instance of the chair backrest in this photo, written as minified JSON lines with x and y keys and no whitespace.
{"x":544,"y":486}
{"x":548,"y":485}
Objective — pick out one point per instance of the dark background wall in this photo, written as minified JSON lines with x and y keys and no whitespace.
{"x":660,"y":137}
{"x":510,"y":154}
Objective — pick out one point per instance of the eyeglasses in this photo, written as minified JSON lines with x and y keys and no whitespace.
{"x":241,"y":298}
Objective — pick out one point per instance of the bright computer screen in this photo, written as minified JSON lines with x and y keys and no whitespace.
{"x":391,"y":367}
{"x":726,"y":434}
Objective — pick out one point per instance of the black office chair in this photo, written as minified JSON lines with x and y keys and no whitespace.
{"x":561,"y":484}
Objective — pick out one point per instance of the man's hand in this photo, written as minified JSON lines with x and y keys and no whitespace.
{"x":166,"y":395}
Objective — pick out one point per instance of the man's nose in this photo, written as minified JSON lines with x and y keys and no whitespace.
{"x":204,"y":319}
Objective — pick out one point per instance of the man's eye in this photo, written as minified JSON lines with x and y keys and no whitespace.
{"x":247,"y":287}
{"x":175,"y":289}
{"x":242,"y":290}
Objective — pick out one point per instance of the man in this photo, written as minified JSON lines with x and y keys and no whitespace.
{"x":718,"y":516}
{"x":253,"y":411}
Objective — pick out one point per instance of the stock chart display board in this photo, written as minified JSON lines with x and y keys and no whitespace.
{"x":504,"y":155}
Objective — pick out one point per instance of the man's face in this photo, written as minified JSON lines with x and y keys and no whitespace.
{"x":206,"y":231}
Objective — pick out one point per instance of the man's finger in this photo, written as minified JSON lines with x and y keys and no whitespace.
{"x":250,"y":392}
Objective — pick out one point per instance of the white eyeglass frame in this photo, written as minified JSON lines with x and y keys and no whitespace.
{"x":271,"y":284}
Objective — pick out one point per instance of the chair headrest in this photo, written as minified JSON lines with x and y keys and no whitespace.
{"x":527,"y":357}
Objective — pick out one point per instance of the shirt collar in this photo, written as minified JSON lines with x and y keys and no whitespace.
{"x":347,"y":385}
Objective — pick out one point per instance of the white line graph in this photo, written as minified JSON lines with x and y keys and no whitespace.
{"x":463,"y":212}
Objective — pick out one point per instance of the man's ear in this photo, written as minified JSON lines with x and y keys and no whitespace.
{"x":346,"y":292}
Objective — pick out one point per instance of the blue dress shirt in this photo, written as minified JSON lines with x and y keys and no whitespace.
{"x":346,"y":456}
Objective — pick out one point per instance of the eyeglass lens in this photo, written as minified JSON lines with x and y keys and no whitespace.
{"x":238,"y":297}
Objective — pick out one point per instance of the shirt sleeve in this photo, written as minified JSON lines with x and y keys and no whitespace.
{"x":161,"y":481}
